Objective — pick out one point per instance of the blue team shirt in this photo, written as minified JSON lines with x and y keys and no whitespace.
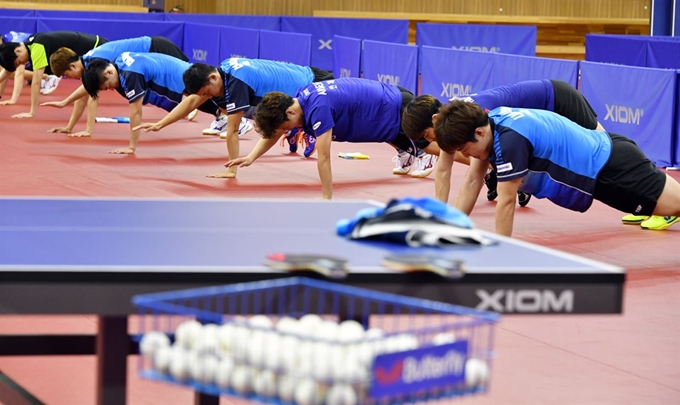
{"x":154,"y":76}
{"x":557,"y":158}
{"x":357,"y":110}
{"x":14,"y":36}
{"x":537,"y":94}
{"x":111,"y":50}
{"x":246,"y":81}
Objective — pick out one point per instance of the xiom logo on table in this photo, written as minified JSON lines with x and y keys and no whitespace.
{"x":420,"y":369}
{"x":623,"y":114}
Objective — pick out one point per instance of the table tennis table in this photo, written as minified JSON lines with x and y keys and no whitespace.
{"x":91,"y":255}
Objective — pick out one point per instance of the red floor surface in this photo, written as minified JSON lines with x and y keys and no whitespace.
{"x":632,"y":358}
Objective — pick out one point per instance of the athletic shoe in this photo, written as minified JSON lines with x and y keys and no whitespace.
{"x":523,"y":198}
{"x":631,"y":219}
{"x":216,"y":126}
{"x":310,"y":145}
{"x":491,"y":181}
{"x":51,"y":84}
{"x":404,"y":161}
{"x":192,"y":115}
{"x":657,"y":223}
{"x":292,"y":140}
{"x":243,"y":128}
{"x":424,"y":165}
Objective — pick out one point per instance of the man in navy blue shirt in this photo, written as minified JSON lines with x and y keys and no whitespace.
{"x":238,"y":84}
{"x":65,"y":62}
{"x":142,"y":78}
{"x":342,"y":110}
{"x":549,"y":156}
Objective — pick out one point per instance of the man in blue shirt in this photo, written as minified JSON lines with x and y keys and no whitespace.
{"x":549,"y":156}
{"x":552,"y":95}
{"x":342,"y":110}
{"x":237,"y":85}
{"x":142,"y":78}
{"x":65,"y":62}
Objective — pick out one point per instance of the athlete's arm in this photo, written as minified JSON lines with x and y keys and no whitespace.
{"x":77,"y":94}
{"x":189,"y":104}
{"x":35,"y":94}
{"x":135,"y":120}
{"x":442,"y":176}
{"x":233,"y":122}
{"x":505,"y":209}
{"x":472,"y":184}
{"x":323,"y":163}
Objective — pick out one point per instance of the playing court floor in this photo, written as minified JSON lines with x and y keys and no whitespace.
{"x":597,"y":359}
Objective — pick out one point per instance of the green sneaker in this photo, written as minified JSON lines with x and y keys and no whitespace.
{"x":657,"y":223}
{"x":631,"y":219}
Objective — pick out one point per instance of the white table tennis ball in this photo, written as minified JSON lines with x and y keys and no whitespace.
{"x":271,"y":351}
{"x":476,"y":372}
{"x":161,"y":359}
{"x":260,"y":322}
{"x":286,"y":387}
{"x":287,"y":325}
{"x":223,"y":373}
{"x":407,"y":341}
{"x":257,"y":347}
{"x":350,"y":370}
{"x":289,"y":346}
{"x":350,"y":330}
{"x":264,"y":384}
{"x":188,"y":332}
{"x":308,"y":324}
{"x":241,"y":379}
{"x":341,"y":394}
{"x":202,"y":367}
{"x":152,"y":341}
{"x":211,"y":330}
{"x":443,"y":338}
{"x":307,"y":392}
{"x":327,"y":330}
{"x":240,"y":342}
{"x":207,"y":343}
{"x":179,"y":363}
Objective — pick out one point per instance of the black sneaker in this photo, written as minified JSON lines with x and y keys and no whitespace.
{"x":523,"y":198}
{"x":491,"y":181}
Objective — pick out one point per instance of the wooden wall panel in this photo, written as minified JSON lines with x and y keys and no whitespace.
{"x":554,"y":8}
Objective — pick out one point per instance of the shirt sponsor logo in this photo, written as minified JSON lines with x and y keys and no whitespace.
{"x":506,"y":167}
{"x":316,"y":126}
{"x":130,"y":93}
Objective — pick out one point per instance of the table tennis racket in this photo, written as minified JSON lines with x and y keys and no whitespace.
{"x":329,"y":266}
{"x":448,"y":268}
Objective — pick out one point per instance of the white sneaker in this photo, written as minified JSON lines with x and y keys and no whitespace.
{"x":243,"y":128}
{"x":424,"y":165}
{"x":192,"y":115}
{"x":51,"y":84}
{"x":216,"y":126}
{"x":403,"y":161}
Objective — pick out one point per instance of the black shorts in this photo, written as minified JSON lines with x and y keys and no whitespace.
{"x":629,"y":182}
{"x":401,"y":141}
{"x":166,"y":47}
{"x":211,"y":107}
{"x":321,"y":75}
{"x":571,"y":104}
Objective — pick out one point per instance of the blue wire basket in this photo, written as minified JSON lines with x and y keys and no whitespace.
{"x":312,"y":342}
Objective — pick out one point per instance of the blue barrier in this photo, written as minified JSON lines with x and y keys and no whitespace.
{"x":322,"y":31}
{"x":664,"y":53}
{"x":346,"y":56}
{"x":447,"y":73}
{"x":116,"y":29}
{"x":622,"y":50}
{"x":636,"y":102}
{"x":676,"y":133}
{"x":517,"y":40}
{"x":102,"y":15}
{"x":11,"y":12}
{"x":239,"y":43}
{"x":395,"y":64}
{"x":259,"y":22}
{"x":509,"y":69}
{"x":286,"y":47}
{"x":17,"y":24}
{"x":197,"y":48}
